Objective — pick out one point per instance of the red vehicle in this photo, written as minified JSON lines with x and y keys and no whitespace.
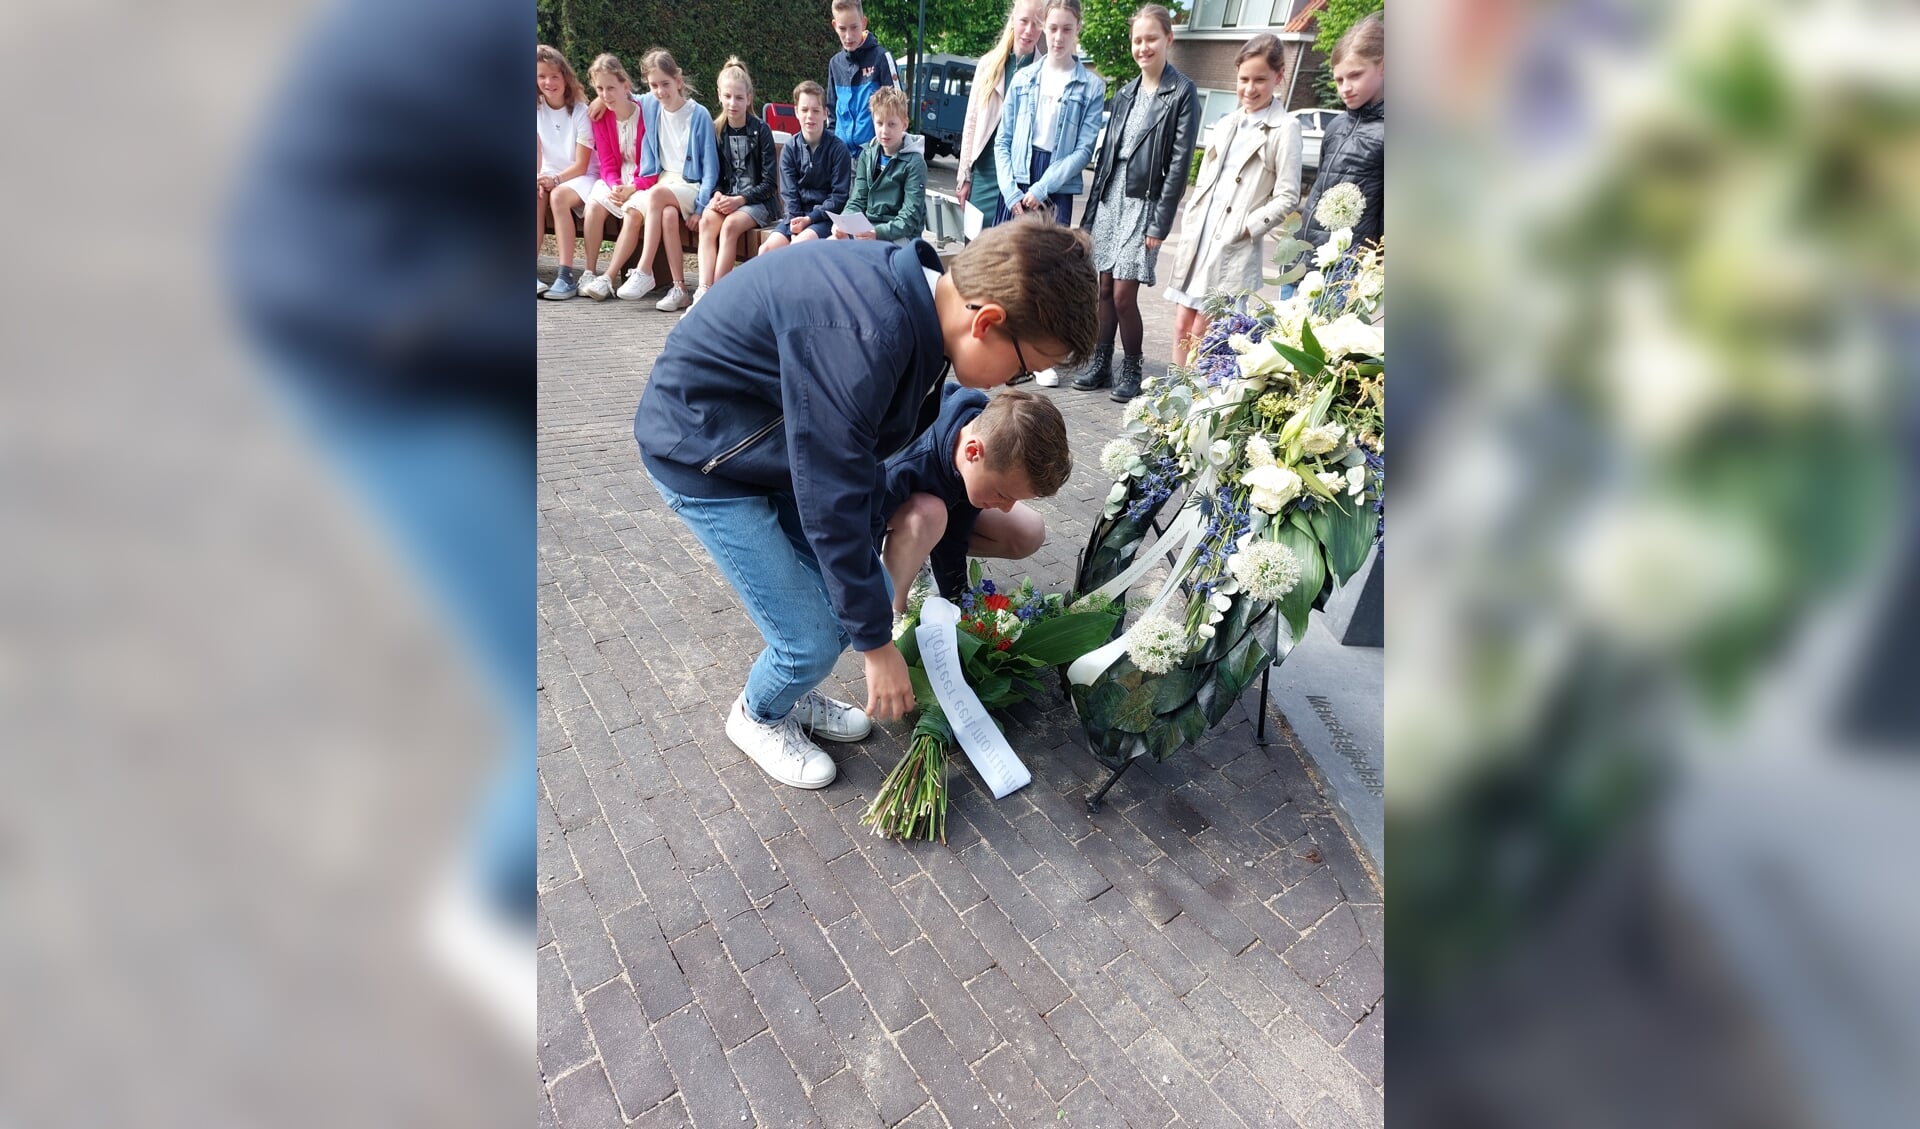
{"x":780,"y":116}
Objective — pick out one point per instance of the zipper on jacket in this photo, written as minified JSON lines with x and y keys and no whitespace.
{"x":740,"y":446}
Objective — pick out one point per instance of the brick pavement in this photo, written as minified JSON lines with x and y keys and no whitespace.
{"x":717,"y":950}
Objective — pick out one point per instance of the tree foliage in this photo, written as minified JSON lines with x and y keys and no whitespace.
{"x":782,"y":41}
{"x":1107,"y":38}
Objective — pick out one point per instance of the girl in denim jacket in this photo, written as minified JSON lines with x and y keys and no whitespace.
{"x":1049,"y":124}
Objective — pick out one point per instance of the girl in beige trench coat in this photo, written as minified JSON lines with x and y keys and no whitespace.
{"x":1249,"y":181}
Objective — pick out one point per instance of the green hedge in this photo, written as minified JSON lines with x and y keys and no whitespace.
{"x":783,"y":42}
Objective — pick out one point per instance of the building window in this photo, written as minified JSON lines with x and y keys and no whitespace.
{"x":1283,"y":11}
{"x":1207,"y":13}
{"x":1231,"y":18}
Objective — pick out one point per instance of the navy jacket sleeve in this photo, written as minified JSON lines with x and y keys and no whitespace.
{"x":836,"y":201}
{"x":839,"y":478}
{"x":790,"y":177}
{"x":949,"y":558}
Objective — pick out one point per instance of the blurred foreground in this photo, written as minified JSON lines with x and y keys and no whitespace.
{"x":1651,"y":723}
{"x":246,"y":737}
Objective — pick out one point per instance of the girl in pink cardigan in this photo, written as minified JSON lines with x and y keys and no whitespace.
{"x":617,"y":138}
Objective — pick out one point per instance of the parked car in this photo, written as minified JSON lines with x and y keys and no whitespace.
{"x":1313,"y":127}
{"x":939,"y":100}
{"x":783,"y":121}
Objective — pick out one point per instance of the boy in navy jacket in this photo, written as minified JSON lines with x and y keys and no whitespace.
{"x":816,"y":173}
{"x":861,"y":67}
{"x":957,"y":491}
{"x":769,"y":415}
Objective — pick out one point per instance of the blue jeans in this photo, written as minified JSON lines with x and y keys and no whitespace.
{"x":454,"y":483}
{"x":760,"y":547}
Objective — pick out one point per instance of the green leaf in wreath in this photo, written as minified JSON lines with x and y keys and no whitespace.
{"x":1345,"y":530}
{"x":1310,"y":345}
{"x":1307,"y":365}
{"x":1134,"y":714}
{"x":1103,"y":703}
{"x":1173,"y":690}
{"x":1313,"y":576}
{"x":1062,"y":640}
{"x":969,"y":646}
{"x":909,"y":644}
{"x":995,"y":692}
{"x":1164,"y":739}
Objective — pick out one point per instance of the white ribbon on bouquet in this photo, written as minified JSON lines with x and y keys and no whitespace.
{"x":986,"y":747}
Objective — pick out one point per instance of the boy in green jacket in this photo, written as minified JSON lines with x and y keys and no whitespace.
{"x":890,"y":180}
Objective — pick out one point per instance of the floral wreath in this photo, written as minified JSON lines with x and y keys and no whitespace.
{"x":1273,"y":442}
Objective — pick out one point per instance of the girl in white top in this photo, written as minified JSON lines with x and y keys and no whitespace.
{"x":568,"y":167}
{"x":679,"y":129}
{"x":617,"y":194}
{"x":1249,"y":180}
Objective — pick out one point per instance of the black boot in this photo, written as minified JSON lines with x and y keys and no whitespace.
{"x":1128,"y":386}
{"x":1098,"y":371}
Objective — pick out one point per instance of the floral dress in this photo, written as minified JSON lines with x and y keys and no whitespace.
{"x":1120,"y":226}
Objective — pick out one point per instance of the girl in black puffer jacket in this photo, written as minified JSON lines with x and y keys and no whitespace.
{"x":1354,"y":149}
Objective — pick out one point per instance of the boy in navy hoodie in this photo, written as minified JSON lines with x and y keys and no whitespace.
{"x":816,"y":173}
{"x":958,"y":490}
{"x":768,"y":419}
{"x":861,"y":67}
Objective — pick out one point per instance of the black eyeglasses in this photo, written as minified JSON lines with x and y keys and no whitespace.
{"x":1025,"y":374}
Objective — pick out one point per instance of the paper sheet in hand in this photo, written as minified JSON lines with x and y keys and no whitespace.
{"x":853,"y":223}
{"x":985,"y":745}
{"x":972,"y":220}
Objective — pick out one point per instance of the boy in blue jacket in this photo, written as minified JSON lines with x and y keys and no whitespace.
{"x":770,"y":413}
{"x":861,"y":67}
{"x":958,"y":490}
{"x":816,"y":173}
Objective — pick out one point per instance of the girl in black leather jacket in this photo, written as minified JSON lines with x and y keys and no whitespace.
{"x":1354,"y":149}
{"x":1139,"y":175}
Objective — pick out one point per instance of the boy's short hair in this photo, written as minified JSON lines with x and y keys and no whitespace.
{"x":1041,"y":273}
{"x":841,"y":6}
{"x":888,"y":100}
{"x":807,"y":89}
{"x":1019,"y":429}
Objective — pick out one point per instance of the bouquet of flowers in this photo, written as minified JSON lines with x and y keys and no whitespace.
{"x":1274,"y":438}
{"x":1005,"y":639}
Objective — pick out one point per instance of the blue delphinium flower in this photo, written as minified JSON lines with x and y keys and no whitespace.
{"x":986,"y":588}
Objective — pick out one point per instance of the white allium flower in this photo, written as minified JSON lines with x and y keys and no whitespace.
{"x":1139,"y":410}
{"x":1266,"y":570}
{"x":1157,"y":644}
{"x":1273,"y":487}
{"x":1320,"y":440}
{"x":1008,"y":624}
{"x":1340,"y":206}
{"x":1117,"y":457}
{"x":1259,"y":451}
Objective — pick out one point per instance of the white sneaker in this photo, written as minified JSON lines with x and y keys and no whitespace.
{"x":835,"y":720}
{"x":639,"y":284}
{"x":676,"y":299}
{"x":539,"y":286}
{"x":697,"y":295}
{"x":781,"y":750}
{"x":597,"y":287}
{"x":1047,"y":378}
